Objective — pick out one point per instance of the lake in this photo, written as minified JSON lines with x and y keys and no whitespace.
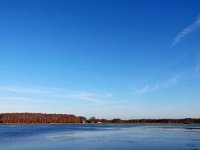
{"x":99,"y":137}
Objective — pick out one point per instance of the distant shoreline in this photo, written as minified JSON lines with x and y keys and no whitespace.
{"x":170,"y":124}
{"x":51,"y":119}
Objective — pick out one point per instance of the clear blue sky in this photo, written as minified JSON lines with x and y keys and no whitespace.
{"x":103,"y":58}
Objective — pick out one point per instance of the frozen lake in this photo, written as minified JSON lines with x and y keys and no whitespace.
{"x":99,"y":137}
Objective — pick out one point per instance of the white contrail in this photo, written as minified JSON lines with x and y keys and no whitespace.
{"x":186,"y":31}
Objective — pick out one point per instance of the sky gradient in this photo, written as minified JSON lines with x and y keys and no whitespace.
{"x":103,"y":58}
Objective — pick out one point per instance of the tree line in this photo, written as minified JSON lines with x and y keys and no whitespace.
{"x":39,"y":118}
{"x":164,"y":121}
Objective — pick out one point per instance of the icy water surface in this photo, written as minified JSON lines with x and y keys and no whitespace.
{"x":99,"y":137}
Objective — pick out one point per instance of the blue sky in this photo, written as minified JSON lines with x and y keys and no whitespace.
{"x":103,"y":58}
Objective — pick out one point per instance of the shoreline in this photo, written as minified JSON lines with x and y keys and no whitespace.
{"x":174,"y":124}
{"x":43,"y":118}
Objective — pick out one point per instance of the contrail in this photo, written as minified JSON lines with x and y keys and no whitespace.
{"x":186,"y":31}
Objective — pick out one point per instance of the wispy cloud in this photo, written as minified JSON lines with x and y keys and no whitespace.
{"x":141,"y":91}
{"x":196,"y":72}
{"x":172,"y":81}
{"x":19,"y":99}
{"x":54,"y":93}
{"x":186,"y":31}
{"x":24,"y":90}
{"x":160,"y":85}
{"x":85,"y":96}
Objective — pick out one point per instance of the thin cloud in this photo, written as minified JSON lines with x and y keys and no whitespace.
{"x":141,"y":91}
{"x":197,"y":71}
{"x":186,"y":31}
{"x":49,"y":93}
{"x":197,"y":67}
{"x":86,"y":96}
{"x":173,"y":81}
{"x":156,"y":86}
{"x":170,"y":82}
{"x":24,"y":90}
{"x":29,"y":100}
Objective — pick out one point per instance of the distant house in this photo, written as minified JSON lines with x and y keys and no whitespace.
{"x":82,"y":119}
